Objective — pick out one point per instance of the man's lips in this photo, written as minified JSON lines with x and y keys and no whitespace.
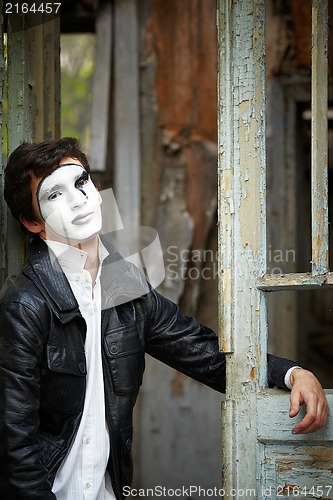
{"x":83,"y":218}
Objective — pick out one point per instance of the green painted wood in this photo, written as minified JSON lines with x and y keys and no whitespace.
{"x":2,"y":79}
{"x":33,"y":103}
{"x":19,"y":125}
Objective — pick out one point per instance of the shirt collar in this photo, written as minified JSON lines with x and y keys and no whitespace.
{"x":72,"y":259}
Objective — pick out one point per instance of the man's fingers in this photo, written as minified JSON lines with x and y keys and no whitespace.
{"x":307,"y":389}
{"x":314,"y":419}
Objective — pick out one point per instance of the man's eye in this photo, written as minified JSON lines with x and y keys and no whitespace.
{"x":81,"y":182}
{"x":54,"y":195}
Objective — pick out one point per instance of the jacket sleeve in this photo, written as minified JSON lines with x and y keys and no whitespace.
{"x":22,"y":474}
{"x":191,"y":348}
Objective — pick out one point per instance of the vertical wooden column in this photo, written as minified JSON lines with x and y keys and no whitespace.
{"x":101,"y":88}
{"x":18,"y":125}
{"x":319,"y":138}
{"x":2,"y":81}
{"x":242,"y":231}
{"x":33,"y":102}
{"x":44,"y":64}
{"x":126,"y":112}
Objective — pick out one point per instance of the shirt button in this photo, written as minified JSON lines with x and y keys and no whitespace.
{"x":87,"y":440}
{"x":88,"y":485}
{"x":77,"y":278}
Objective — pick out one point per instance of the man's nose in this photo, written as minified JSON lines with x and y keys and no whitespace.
{"x":78,"y":198}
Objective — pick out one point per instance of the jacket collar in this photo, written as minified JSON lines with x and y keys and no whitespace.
{"x":121,"y":281}
{"x":48,"y":277}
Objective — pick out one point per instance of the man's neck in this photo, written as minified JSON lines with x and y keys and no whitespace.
{"x":91,"y":247}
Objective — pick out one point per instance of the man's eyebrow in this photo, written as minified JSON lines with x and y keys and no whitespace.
{"x":70,"y":165}
{"x":43,"y":191}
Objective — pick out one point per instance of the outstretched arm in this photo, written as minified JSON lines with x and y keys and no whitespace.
{"x":307,"y":389}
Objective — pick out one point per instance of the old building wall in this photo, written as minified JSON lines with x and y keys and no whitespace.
{"x":179,"y":419}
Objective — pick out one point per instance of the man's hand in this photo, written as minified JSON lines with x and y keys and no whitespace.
{"x":307,"y":389}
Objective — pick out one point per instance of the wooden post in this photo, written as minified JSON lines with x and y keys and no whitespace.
{"x":19,"y":124}
{"x":319,"y":145}
{"x":242,"y":236}
{"x":33,"y":103}
{"x":101,"y":89}
{"x":2,"y":81}
{"x":126,"y":112}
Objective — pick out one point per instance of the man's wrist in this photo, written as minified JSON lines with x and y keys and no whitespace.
{"x":287,"y":378}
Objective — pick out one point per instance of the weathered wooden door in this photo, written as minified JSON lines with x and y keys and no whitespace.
{"x":262,"y":459}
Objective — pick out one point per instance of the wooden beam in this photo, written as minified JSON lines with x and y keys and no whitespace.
{"x":293,"y":281}
{"x":126,"y":112}
{"x":101,"y":89}
{"x":18,"y":125}
{"x":2,"y":83}
{"x":33,"y":102}
{"x":319,"y":136}
{"x":242,"y":231}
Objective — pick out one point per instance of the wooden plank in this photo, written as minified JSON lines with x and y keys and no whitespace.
{"x":242,"y":237}
{"x":2,"y":82}
{"x":51,"y":78}
{"x":319,"y":143}
{"x":296,"y":466}
{"x":19,"y":125}
{"x":126,"y":112}
{"x":294,"y":281}
{"x":278,"y":426}
{"x":101,"y":89}
{"x":281,"y":213}
{"x":33,"y":102}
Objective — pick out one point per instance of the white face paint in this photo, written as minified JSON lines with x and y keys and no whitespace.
{"x":70,"y":203}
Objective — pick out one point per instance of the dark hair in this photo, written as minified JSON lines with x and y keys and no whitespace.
{"x":38,"y":160}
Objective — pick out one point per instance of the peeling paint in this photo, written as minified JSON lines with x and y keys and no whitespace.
{"x":324,"y":455}
{"x":177,"y":385}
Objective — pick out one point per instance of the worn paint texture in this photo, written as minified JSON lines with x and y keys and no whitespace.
{"x":2,"y":81}
{"x":250,"y":456}
{"x":33,"y":102}
{"x":242,"y":230}
{"x":295,"y":466}
{"x":319,"y":145}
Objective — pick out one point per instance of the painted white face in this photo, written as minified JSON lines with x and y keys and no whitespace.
{"x":70,"y":203}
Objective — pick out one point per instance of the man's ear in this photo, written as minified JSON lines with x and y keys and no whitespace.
{"x":32,"y":226}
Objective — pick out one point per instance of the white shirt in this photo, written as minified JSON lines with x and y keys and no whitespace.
{"x":82,"y":475}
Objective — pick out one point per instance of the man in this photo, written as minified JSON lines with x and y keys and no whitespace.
{"x":75,"y":326}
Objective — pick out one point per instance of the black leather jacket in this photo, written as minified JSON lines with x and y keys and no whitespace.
{"x":43,"y":367}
